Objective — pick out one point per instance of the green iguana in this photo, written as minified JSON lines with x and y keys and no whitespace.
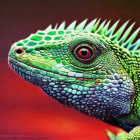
{"x":87,"y":67}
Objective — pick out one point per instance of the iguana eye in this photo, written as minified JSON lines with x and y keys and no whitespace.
{"x":84,"y":53}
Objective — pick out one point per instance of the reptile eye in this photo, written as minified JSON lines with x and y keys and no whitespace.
{"x":84,"y":53}
{"x":19,"y":51}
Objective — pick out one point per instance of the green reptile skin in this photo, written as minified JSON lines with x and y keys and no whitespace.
{"x":92,"y":68}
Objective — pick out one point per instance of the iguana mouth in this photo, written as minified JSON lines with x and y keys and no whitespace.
{"x":24,"y":72}
{"x":28,"y":72}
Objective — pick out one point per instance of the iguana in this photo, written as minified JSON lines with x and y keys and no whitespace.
{"x":92,"y":67}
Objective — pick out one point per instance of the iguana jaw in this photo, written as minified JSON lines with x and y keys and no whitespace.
{"x":24,"y":70}
{"x":31,"y":74}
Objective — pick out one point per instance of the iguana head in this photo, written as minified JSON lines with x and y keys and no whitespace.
{"x":84,"y":67}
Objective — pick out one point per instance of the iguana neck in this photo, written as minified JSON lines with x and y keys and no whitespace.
{"x":136,"y":100}
{"x":133,"y":118}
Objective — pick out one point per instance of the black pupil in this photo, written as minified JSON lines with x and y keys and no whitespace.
{"x":19,"y":51}
{"x":84,"y":52}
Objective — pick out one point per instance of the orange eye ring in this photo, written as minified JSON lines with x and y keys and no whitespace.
{"x":19,"y":51}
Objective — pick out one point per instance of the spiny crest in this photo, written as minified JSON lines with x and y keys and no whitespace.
{"x":120,"y":36}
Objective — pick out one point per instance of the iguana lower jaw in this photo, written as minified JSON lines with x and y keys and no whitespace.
{"x":90,"y":96}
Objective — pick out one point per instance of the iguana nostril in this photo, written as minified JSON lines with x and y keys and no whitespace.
{"x":19,"y":51}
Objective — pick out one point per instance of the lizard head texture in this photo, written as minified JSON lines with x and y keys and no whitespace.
{"x":87,"y":67}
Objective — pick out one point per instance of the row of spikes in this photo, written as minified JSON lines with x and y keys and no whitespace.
{"x":103,"y":29}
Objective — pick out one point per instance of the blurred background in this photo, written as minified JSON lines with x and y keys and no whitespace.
{"x":25,"y":111}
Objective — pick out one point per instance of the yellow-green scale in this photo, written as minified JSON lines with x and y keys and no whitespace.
{"x":136,"y":101}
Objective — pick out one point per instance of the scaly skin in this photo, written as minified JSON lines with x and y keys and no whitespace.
{"x":90,"y":69}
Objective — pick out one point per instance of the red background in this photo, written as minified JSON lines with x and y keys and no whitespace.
{"x":25,"y":111}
